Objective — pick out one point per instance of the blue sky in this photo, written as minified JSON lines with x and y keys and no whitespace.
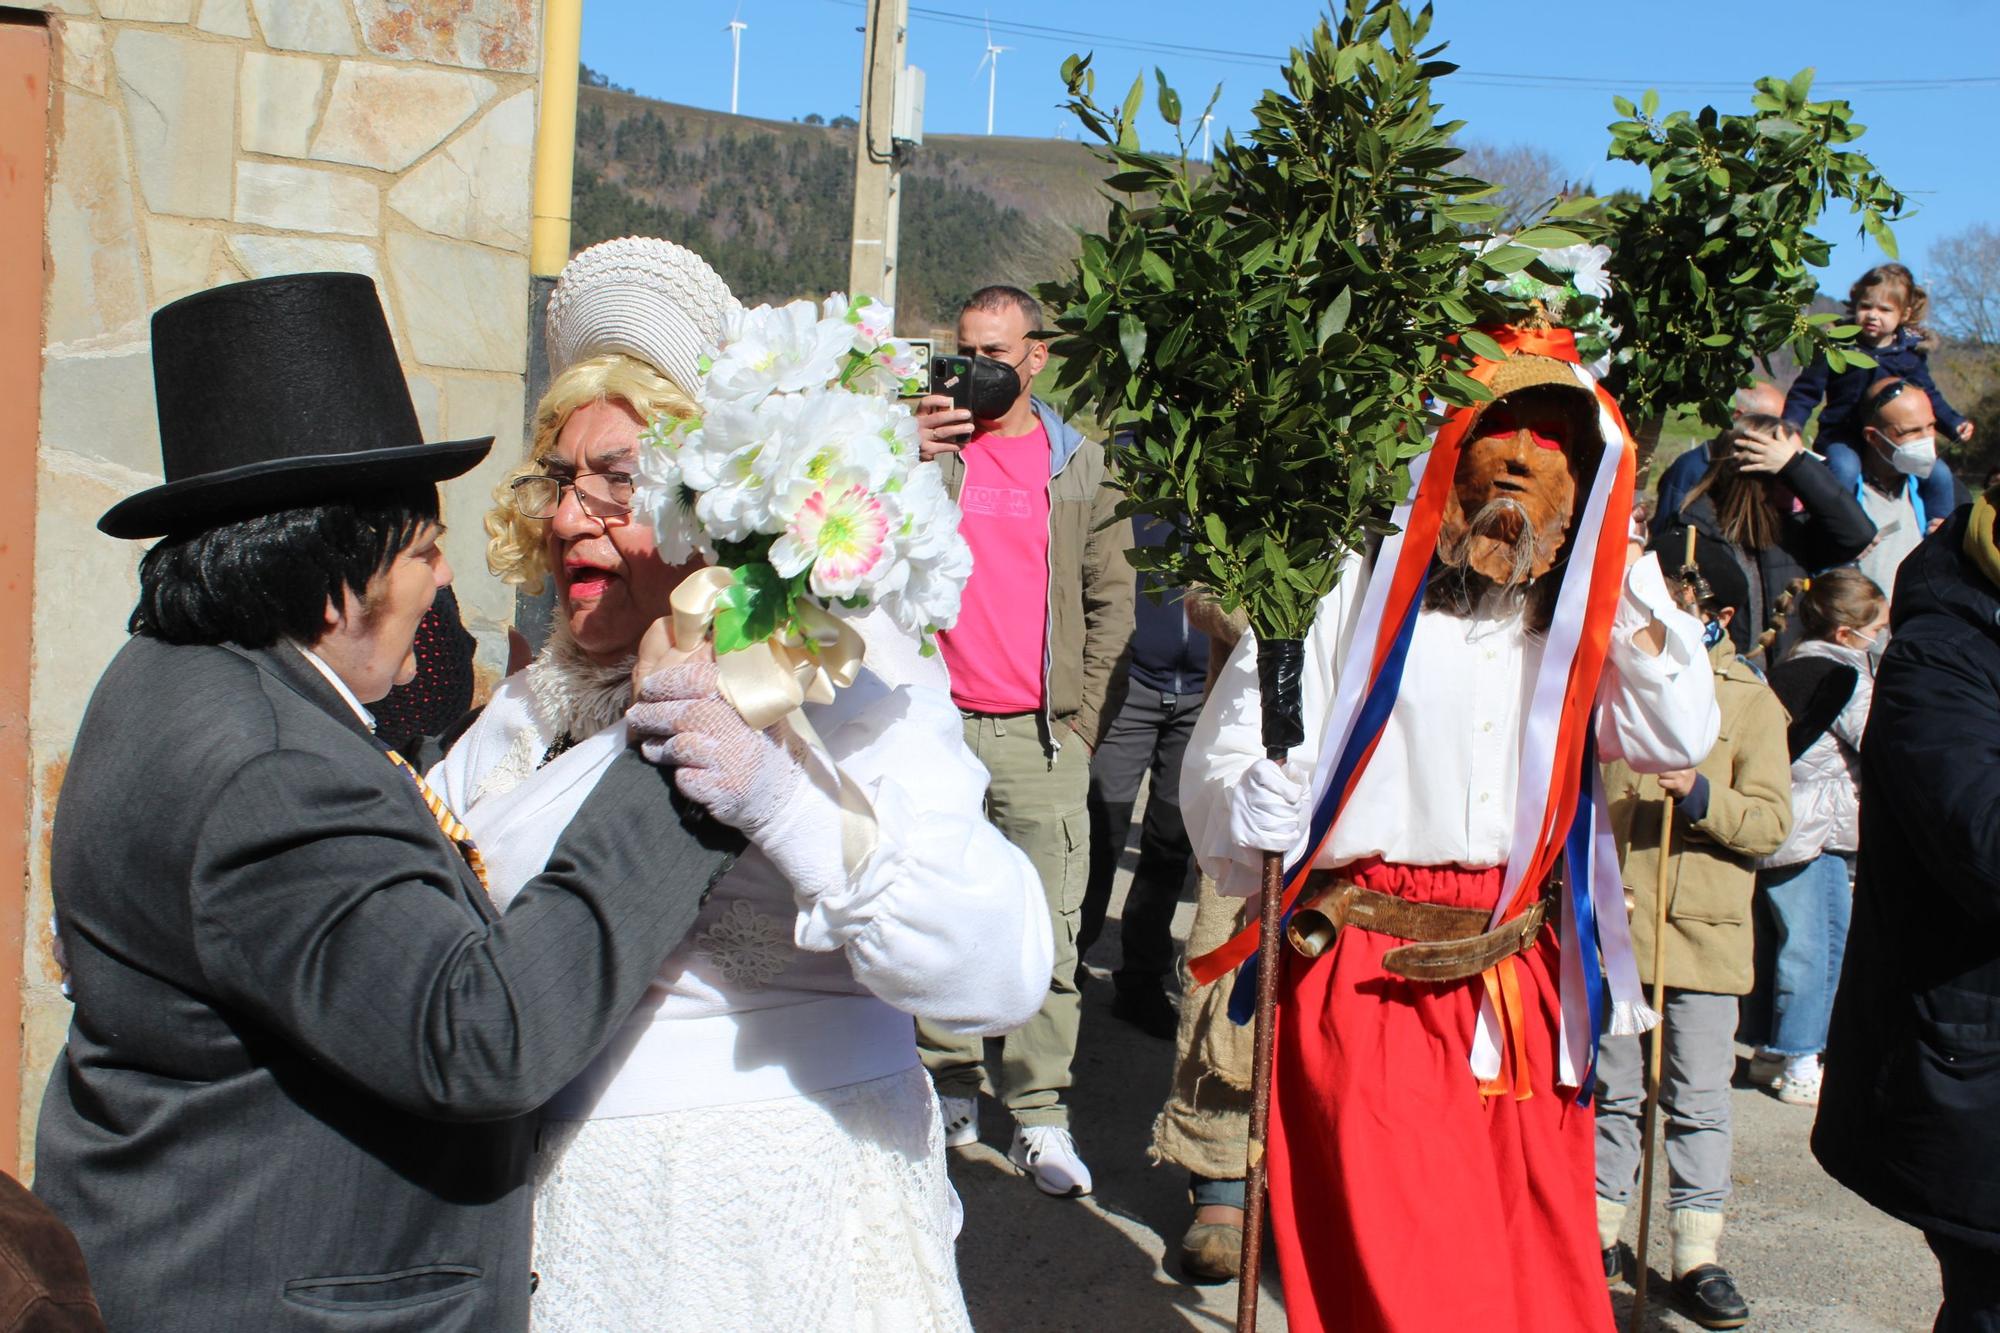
{"x":1542,"y":74}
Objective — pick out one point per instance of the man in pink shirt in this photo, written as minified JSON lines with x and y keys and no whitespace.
{"x":1044,"y":625}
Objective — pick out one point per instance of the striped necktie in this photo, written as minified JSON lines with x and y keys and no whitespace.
{"x":447,"y":822}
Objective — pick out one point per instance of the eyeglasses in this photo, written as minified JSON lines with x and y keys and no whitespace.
{"x":601,"y":494}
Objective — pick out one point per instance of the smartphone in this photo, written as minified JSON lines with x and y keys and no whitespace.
{"x":951,"y":377}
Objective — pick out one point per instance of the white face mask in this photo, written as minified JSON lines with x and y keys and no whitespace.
{"x":1872,"y":649}
{"x":1915,"y":458}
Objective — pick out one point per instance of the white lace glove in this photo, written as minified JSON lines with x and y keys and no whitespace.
{"x":744,"y":777}
{"x":1267,"y":809}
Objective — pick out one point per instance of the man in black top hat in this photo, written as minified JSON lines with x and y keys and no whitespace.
{"x":300,"y":1078}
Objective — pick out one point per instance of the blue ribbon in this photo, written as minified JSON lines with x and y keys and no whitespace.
{"x":1578,"y":849}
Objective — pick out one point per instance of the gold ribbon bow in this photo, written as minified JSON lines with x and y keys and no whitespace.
{"x":770,"y":680}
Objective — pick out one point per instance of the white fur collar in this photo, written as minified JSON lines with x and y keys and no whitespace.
{"x":574,"y":696}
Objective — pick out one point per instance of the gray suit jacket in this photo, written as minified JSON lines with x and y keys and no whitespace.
{"x":300,"y":1077}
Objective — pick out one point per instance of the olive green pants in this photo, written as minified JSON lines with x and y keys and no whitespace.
{"x":1038,"y":802}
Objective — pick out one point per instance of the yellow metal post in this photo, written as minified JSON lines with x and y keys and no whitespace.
{"x":555,"y":137}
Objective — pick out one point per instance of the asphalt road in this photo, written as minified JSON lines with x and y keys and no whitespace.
{"x":1807,"y":1254}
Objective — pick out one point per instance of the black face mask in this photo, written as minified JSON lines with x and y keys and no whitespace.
{"x":996,"y":386}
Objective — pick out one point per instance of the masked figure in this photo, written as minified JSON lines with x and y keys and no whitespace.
{"x":1434,"y":1039}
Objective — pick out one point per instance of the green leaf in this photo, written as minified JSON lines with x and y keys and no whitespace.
{"x":749,"y":610}
{"x":1548,"y":238}
{"x":1132,"y":338}
{"x":1333,"y":319}
{"x":1158,"y":269}
{"x":1135,"y":182}
{"x":1476,"y":342}
{"x":1170,"y":101}
{"x":1130,"y":113}
{"x":1218,"y":534}
{"x":1718,"y":340}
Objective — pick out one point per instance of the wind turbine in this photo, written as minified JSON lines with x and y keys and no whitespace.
{"x":735,"y":29}
{"x":990,"y":62}
{"x":1207,"y":153}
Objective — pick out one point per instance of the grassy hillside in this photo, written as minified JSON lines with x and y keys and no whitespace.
{"x":770,"y":203}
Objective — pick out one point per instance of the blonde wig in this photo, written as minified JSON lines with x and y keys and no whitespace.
{"x":516,"y":547}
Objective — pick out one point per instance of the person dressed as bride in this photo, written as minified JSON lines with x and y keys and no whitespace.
{"x":759,"y":1148}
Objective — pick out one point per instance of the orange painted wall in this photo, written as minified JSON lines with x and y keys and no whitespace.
{"x":24,"y":115}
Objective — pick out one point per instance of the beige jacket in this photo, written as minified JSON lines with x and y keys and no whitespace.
{"x":1712,"y":869}
{"x":1090,"y":586}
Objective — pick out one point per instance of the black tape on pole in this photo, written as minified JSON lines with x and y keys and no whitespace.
{"x":1279,"y":664}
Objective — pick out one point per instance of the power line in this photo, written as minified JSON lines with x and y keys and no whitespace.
{"x":1465,"y":76}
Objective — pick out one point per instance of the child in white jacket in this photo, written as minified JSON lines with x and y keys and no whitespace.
{"x":1804,"y":888}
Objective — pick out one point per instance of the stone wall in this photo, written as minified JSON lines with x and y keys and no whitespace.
{"x":195,"y":142}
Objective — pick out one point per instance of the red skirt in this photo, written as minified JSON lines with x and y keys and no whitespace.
{"x":1401,"y":1199}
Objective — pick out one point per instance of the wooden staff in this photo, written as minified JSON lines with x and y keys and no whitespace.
{"x":1659,"y":1040}
{"x":1658,"y":1052}
{"x":1254,"y":1175}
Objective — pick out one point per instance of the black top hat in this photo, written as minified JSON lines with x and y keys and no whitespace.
{"x":279,"y":393}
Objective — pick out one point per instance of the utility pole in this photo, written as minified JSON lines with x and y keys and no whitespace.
{"x":871,"y":266}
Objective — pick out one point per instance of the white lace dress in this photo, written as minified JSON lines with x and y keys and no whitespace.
{"x":759,"y":1149}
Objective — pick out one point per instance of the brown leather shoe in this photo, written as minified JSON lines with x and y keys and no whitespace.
{"x":1212,"y":1252}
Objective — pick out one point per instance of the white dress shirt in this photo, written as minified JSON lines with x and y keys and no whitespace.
{"x":339,"y":685}
{"x":1440,"y":788}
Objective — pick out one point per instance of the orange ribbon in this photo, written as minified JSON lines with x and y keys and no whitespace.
{"x":1557,"y":343}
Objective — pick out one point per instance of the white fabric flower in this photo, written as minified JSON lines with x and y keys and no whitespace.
{"x":663,"y":498}
{"x":733,"y":463}
{"x":871,"y":321}
{"x":842,"y":534}
{"x":788,"y":349}
{"x":1585,"y":265}
{"x":930,"y":598}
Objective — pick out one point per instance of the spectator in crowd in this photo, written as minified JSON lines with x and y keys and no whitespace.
{"x":1898,"y":447}
{"x":1909,"y":1114}
{"x":1803,"y":888}
{"x":1759,"y":398}
{"x":1745,"y":501}
{"x":1045,"y":623}
{"x":1728,"y":810}
{"x":1890,"y":308}
{"x":1153,"y":712}
{"x":1204,"y":1128}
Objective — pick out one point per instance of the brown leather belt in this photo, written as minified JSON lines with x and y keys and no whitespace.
{"x":1449,"y":943}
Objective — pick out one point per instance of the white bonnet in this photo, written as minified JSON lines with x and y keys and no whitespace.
{"x":642,"y":296}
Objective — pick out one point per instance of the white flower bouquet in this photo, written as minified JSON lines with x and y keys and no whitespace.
{"x":801,"y":482}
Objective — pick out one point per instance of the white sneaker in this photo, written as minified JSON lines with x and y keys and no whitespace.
{"x":961,"y":1120}
{"x":1767,"y":1071}
{"x":1047,"y":1154}
{"x":1801,"y":1089}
